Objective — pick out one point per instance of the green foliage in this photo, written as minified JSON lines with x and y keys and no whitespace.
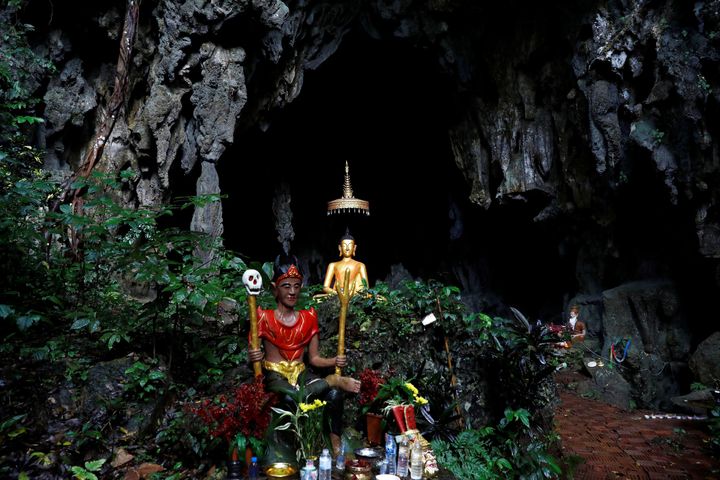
{"x":20,"y":68}
{"x":407,"y":307}
{"x":87,"y":436}
{"x":184,"y":434}
{"x":514,"y":358}
{"x":519,"y":360}
{"x":128,"y":282}
{"x":122,"y":251}
{"x":513,"y":449}
{"x":472,"y":456}
{"x":12,"y":428}
{"x":307,"y":422}
{"x":88,"y":472}
{"x":145,"y":381}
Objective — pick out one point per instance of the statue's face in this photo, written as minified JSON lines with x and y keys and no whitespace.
{"x":287,"y":292}
{"x":347,"y":248}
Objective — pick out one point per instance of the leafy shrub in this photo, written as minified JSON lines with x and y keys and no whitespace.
{"x":513,"y":449}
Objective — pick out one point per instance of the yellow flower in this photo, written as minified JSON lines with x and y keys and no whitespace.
{"x":411,"y":387}
{"x":308,"y":407}
{"x":420,"y":400}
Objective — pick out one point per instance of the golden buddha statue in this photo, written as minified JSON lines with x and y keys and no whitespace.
{"x":336,"y":270}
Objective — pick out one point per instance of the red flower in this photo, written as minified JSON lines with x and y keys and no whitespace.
{"x":247,"y":411}
{"x":370,"y":381}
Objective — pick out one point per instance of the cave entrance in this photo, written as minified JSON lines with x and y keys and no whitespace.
{"x":385,"y":108}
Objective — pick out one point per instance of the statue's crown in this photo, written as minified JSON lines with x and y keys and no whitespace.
{"x":292,"y":272}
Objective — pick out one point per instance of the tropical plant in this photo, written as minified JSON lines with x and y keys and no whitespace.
{"x":444,"y":426}
{"x":520,"y":361}
{"x":472,"y":455}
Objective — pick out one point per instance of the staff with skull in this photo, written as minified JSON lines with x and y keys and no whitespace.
{"x":253,"y":284}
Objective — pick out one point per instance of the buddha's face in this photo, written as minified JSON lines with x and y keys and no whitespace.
{"x":347,"y":248}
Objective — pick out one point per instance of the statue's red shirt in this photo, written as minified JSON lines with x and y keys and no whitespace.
{"x":291,"y":341}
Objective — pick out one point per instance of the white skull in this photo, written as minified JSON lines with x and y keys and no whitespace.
{"x":253,"y":281}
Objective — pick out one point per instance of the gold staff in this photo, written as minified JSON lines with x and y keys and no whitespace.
{"x":344,"y":294}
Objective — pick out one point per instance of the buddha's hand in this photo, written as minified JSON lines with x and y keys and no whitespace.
{"x":255,"y":355}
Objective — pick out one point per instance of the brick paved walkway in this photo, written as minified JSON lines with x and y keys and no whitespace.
{"x":619,"y":444}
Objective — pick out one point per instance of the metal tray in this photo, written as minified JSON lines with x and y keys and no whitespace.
{"x":369,"y":453}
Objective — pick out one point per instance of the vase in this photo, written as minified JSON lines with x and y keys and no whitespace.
{"x":310,"y":470}
{"x":374,"y":428}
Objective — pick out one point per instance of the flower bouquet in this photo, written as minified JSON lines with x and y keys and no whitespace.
{"x":241,"y":418}
{"x":306,"y":422}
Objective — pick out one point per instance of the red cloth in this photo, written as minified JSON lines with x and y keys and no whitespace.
{"x":291,"y":341}
{"x":404,"y":417}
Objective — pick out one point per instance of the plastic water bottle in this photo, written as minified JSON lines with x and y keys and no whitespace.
{"x":416,"y":461}
{"x":253,"y":469}
{"x":340,"y":460}
{"x":234,"y":470}
{"x":325,"y":465}
{"x":382,"y":466}
{"x":402,"y":455}
{"x":390,"y":453}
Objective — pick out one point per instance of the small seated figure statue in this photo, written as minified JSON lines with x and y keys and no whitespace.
{"x":335,"y":273}
{"x":574,"y":327}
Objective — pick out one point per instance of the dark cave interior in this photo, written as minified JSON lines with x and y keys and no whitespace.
{"x":385,"y":107}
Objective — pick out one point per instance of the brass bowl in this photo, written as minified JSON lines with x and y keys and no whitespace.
{"x":358,"y":470}
{"x":280,"y":470}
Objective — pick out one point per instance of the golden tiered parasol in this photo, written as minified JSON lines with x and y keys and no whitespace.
{"x":348,"y":203}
